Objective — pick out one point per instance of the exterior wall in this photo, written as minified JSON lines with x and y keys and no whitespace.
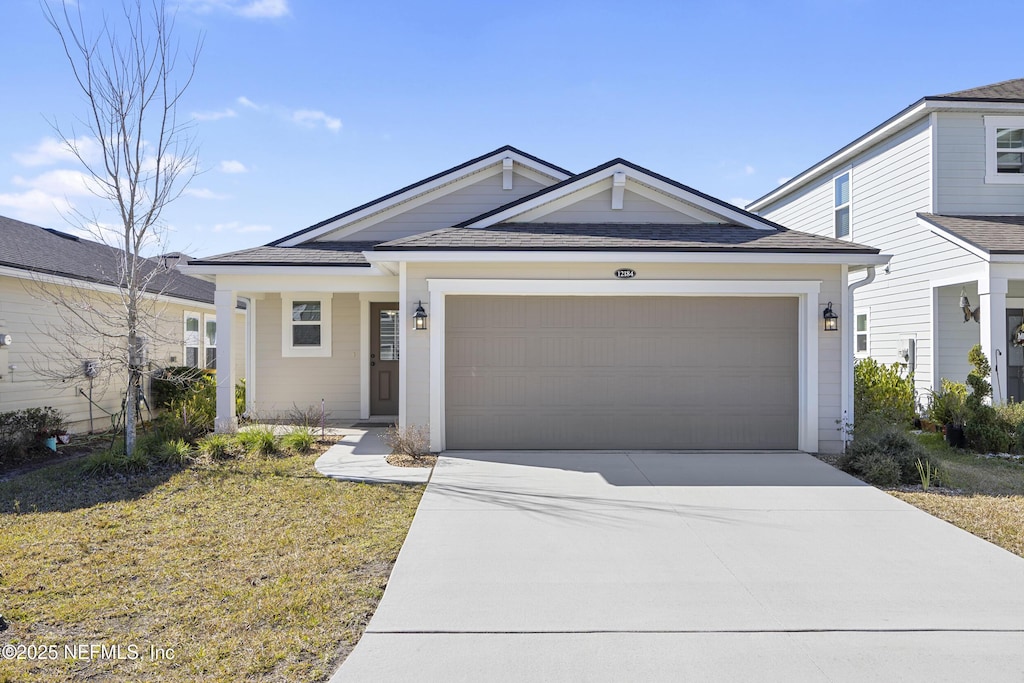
{"x":957,"y":337}
{"x":417,"y":348}
{"x":444,"y":211}
{"x":960,"y":165}
{"x":890,"y":184}
{"x":35,"y":326}
{"x":284,"y":383}
{"x":635,"y":209}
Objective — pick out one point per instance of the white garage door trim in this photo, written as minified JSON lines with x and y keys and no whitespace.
{"x":805,"y":290}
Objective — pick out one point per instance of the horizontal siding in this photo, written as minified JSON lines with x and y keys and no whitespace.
{"x":597,"y":208}
{"x":960,"y":181}
{"x":445,"y":211}
{"x":284,"y":383}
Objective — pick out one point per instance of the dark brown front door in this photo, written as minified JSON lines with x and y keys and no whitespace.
{"x":384,"y":359}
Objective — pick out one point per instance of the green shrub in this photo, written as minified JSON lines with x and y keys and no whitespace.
{"x":240,"y":398}
{"x":882,"y":390}
{"x":258,"y":441}
{"x":949,"y":405}
{"x":173,"y":384}
{"x":177,"y":453}
{"x":866,"y":455}
{"x":217,"y":446}
{"x":878,"y":469}
{"x":298,"y":441}
{"x":114,"y":461}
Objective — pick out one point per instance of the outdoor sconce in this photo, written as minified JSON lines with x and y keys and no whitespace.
{"x":965,"y":306}
{"x":419,"y":318}
{"x":831,"y":319}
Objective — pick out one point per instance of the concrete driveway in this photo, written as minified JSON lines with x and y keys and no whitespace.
{"x":616,"y":566}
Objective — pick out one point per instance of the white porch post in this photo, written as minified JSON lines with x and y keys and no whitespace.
{"x":224,"y":300}
{"x":992,"y":292}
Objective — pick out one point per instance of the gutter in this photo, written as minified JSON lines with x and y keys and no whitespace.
{"x":848,"y":337}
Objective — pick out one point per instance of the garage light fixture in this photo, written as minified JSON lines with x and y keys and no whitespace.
{"x":419,"y":318}
{"x":831,"y":319}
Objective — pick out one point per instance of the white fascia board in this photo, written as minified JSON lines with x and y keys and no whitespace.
{"x":627,"y":257}
{"x":61,"y":281}
{"x":957,"y":240}
{"x":306,"y":282}
{"x":623,"y":287}
{"x":424,"y":193}
{"x":333,"y":271}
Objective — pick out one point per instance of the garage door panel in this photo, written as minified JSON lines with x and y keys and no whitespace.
{"x":621,"y":372}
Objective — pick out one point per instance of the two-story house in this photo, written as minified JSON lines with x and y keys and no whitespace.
{"x":940,"y":187}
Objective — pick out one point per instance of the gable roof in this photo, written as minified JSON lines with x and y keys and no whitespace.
{"x":1005,"y":93}
{"x":993,"y":234}
{"x":569,"y":185}
{"x":423,"y":185}
{"x":46,"y":251}
{"x":309,"y":254}
{"x":622,"y":237}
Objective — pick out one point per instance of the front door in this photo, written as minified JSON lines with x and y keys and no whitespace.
{"x":1014,"y":357}
{"x":384,"y":359}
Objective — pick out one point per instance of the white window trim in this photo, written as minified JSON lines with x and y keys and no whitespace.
{"x":848,"y":171}
{"x":867,"y":332}
{"x":290,"y":351}
{"x":207,"y":318}
{"x":992,"y":176}
{"x":185,"y":346}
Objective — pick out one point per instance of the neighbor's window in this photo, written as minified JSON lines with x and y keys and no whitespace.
{"x":192,"y":342}
{"x":842,"y":205}
{"x":306,"y":325}
{"x":210,"y":342}
{"x":860,"y":343}
{"x":1004,"y":153}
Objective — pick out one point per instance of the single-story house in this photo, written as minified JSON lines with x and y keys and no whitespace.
{"x":507,"y":303}
{"x":61,"y":354}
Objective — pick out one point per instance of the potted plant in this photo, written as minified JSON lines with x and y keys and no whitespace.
{"x":949,"y":408}
{"x":48,"y":424}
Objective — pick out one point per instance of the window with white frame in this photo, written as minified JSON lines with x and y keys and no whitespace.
{"x":210,"y":341}
{"x":1004,"y":149}
{"x":306,"y":325}
{"x":862,"y":325}
{"x":192,"y":339}
{"x":842,"y":205}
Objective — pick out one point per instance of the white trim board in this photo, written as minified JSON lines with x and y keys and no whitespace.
{"x":625,"y":257}
{"x":805,"y":290}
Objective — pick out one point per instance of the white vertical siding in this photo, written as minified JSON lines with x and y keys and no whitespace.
{"x":890,"y":184}
{"x":960,"y":180}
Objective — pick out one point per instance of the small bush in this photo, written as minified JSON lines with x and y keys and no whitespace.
{"x":882,"y":390}
{"x":949,"y":405}
{"x":173,"y":384}
{"x":413,"y":441}
{"x":986,"y":432}
{"x":258,"y":441}
{"x":878,"y":469}
{"x":114,"y":461}
{"x":305,"y":417}
{"x":866,"y":456}
{"x":176,"y":453}
{"x":217,"y":446}
{"x":298,"y":441}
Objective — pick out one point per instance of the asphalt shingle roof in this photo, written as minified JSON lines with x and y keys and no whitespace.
{"x":994,"y":234}
{"x":40,"y":250}
{"x":309,"y":254}
{"x":622,"y":237}
{"x":1004,"y":90}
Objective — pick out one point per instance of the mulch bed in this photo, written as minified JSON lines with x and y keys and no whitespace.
{"x":403,"y":460}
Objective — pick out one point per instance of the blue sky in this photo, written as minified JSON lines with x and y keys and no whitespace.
{"x":305,"y":108}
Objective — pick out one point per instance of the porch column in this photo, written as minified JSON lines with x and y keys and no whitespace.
{"x":225,"y":301}
{"x":992,"y":292}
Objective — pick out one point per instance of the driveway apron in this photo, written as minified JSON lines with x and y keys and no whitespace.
{"x":614,"y":566}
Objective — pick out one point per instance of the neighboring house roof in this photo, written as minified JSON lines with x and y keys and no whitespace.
{"x":46,"y":251}
{"x":420,"y":184}
{"x":309,"y":254}
{"x":1006,"y":92}
{"x":993,"y":234}
{"x":624,"y":237}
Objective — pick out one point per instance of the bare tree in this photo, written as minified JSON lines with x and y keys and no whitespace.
{"x":128,"y":72}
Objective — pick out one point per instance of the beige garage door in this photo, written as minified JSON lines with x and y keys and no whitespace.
{"x":620,"y":372}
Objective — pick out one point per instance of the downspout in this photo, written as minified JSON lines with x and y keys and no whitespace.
{"x":849,"y":331}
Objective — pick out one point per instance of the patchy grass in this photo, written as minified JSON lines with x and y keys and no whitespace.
{"x":991,"y":504}
{"x":247,"y":570}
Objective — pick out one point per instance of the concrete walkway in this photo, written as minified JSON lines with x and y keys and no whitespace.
{"x":359,"y":456}
{"x":674,"y":566}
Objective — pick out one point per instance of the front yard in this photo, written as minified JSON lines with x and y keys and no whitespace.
{"x":992,"y":503}
{"x":256,"y":569}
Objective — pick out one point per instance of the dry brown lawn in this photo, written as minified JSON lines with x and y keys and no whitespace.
{"x":249,"y":570}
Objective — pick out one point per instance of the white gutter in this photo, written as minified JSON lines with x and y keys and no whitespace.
{"x":848,"y":338}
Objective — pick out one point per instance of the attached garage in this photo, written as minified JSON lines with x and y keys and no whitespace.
{"x":609,"y":372}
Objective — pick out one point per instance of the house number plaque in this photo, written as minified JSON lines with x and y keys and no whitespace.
{"x":625,"y":273}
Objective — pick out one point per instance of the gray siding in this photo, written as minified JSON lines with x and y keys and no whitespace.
{"x":960,"y":178}
{"x":444,"y":211}
{"x":635,"y":209}
{"x":956,"y":336}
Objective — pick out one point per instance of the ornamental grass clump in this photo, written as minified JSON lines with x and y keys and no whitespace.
{"x":298,"y":441}
{"x":257,"y":441}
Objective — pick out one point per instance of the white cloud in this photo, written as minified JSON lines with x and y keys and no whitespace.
{"x":35,"y":206}
{"x":311,"y":118}
{"x":60,"y":182}
{"x":785,"y":179}
{"x":749,"y":170}
{"x":739,"y":201}
{"x":236,"y":226}
{"x":203,"y":193}
{"x":250,"y":9}
{"x":51,"y":151}
{"x":246,"y":102}
{"x":232,"y":166}
{"x":214,"y":115}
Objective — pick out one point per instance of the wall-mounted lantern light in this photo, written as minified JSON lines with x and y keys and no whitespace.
{"x":965,"y":306}
{"x":831,"y":319}
{"x":419,"y":318}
